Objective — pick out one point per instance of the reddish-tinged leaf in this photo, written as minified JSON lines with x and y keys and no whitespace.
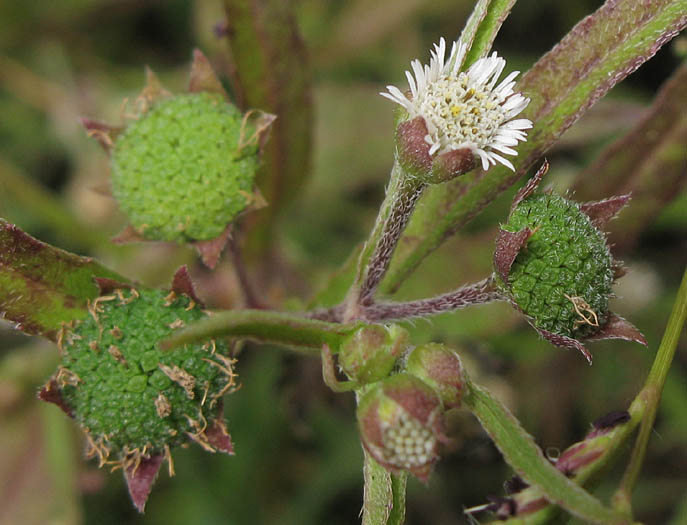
{"x":508,"y":246}
{"x":203,"y":77}
{"x":650,"y":161}
{"x":531,"y":186}
{"x":42,"y":286}
{"x":563,"y":341}
{"x":140,"y":478}
{"x":152,"y":91}
{"x":182,"y":284}
{"x":600,"y":212}
{"x":105,"y":134}
{"x":128,"y":234}
{"x":107,"y":286}
{"x":217,"y":434}
{"x":618,"y":328}
{"x":50,"y":393}
{"x":210,"y":250}
{"x":563,"y":84}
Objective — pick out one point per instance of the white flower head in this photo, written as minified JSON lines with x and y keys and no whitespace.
{"x":465,"y":109}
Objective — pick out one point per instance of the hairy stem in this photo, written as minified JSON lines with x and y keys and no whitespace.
{"x":650,"y":396}
{"x":384,"y":496}
{"x":265,"y":327}
{"x":477,"y":293}
{"x":401,"y":197}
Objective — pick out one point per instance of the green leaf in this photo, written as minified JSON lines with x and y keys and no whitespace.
{"x":653,"y":149}
{"x":482,"y":27}
{"x":523,"y":454}
{"x":266,"y":327}
{"x":42,"y":286}
{"x":599,"y":52}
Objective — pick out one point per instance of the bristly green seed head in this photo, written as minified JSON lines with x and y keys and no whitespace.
{"x":131,"y":398}
{"x":563,"y":275}
{"x":185,"y":169}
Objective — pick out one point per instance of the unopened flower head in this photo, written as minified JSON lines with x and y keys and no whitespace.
{"x":465,"y":109}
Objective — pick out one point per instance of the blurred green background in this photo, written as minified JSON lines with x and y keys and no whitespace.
{"x":298,"y":456}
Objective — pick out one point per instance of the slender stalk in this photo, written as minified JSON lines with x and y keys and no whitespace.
{"x":249,"y":295}
{"x":398,"y":489}
{"x":477,"y":293}
{"x":401,"y":197}
{"x":384,"y":497}
{"x":650,"y":396}
{"x":266,"y":327}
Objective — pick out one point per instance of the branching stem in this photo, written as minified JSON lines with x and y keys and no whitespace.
{"x":477,"y":293}
{"x":402,"y":195}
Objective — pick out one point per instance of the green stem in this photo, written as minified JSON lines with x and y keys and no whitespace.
{"x":650,"y":396}
{"x":266,"y":327}
{"x":60,"y":465}
{"x":401,"y":196}
{"x":523,"y":454}
{"x":398,"y":488}
{"x":384,"y":500}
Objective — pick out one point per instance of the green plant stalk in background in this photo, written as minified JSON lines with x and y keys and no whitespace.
{"x":650,"y":396}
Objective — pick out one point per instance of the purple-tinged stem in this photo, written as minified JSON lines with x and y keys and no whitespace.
{"x":402,"y":195}
{"x":402,"y":208}
{"x":249,"y":295}
{"x":472,"y":294}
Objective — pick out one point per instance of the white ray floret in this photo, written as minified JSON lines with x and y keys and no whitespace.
{"x":465,"y":109}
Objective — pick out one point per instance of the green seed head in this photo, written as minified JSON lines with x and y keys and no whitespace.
{"x":562,"y":276}
{"x":131,"y":398}
{"x":186,"y":168}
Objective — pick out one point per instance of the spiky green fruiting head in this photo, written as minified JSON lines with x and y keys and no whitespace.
{"x":186,"y":168}
{"x":562,"y":277}
{"x":131,"y":398}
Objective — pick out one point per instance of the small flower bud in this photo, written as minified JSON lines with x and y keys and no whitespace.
{"x":440,"y":368}
{"x":597,"y":442}
{"x":371,"y":352}
{"x":401,"y":424}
